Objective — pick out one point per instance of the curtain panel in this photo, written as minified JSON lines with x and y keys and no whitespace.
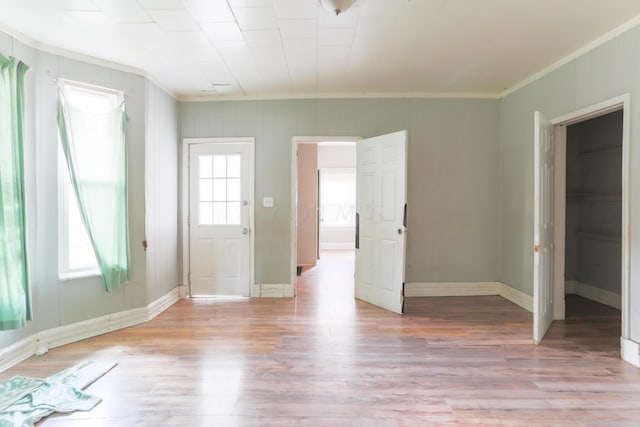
{"x":15,"y":300}
{"x":93,"y":142}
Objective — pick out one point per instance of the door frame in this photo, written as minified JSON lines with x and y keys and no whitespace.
{"x":294,"y":192}
{"x":621,"y":102}
{"x":186,"y":253}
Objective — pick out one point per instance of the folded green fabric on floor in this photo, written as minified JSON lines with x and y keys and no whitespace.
{"x":25,"y":401}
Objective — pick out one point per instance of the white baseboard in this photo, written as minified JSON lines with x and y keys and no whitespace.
{"x":269,"y":290}
{"x":452,"y":289}
{"x":42,"y":341}
{"x":593,"y":293}
{"x":570,"y":287}
{"x":183,"y":291}
{"x":630,"y":351}
{"x":515,"y":296}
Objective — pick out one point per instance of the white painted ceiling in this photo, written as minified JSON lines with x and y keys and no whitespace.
{"x":294,"y":48}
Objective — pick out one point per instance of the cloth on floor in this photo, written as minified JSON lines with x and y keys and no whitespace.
{"x":25,"y":401}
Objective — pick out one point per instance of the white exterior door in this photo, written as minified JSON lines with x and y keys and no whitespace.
{"x":219,"y":219}
{"x":543,"y":223}
{"x":380,"y":205}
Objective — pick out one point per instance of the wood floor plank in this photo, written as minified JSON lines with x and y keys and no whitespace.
{"x":325,"y":359}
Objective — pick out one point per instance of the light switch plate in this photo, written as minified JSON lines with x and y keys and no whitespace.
{"x":267,"y":202}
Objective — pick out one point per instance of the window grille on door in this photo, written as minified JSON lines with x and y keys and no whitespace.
{"x":220,"y":194}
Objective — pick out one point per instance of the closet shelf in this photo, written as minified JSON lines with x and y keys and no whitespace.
{"x":596,"y":197}
{"x":610,"y":238}
{"x":599,"y":149}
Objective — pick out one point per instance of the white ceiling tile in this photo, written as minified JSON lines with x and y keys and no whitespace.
{"x":370,"y":46}
{"x":240,"y":62}
{"x":301,"y":46}
{"x":147,"y":31}
{"x":296,"y":9}
{"x":271,"y":59}
{"x":174,"y":20}
{"x":162,"y":4}
{"x":222,"y":31}
{"x":335,"y":36}
{"x":298,"y":28}
{"x":375,"y":27}
{"x":189,"y":39}
{"x":384,"y":8}
{"x":21,"y":15}
{"x":251,"y":3}
{"x":124,"y":11}
{"x":233,"y":48}
{"x":256,"y":18}
{"x":204,"y":54}
{"x":339,"y":52}
{"x":74,"y":4}
{"x":89,"y":17}
{"x":210,"y":10}
{"x":302,"y":63}
{"x":263,"y":38}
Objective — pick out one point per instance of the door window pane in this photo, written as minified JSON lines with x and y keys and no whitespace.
{"x":205,"y":167}
{"x":233,"y":166}
{"x":206,"y":213}
{"x":206,"y":190}
{"x":220,"y":190}
{"x":233,"y":189}
{"x":219,"y":213}
{"x":220,"y":166}
{"x":233,"y":213}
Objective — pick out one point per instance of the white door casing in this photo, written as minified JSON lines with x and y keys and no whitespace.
{"x":543,"y":223}
{"x":220,"y":200}
{"x":380,"y":206}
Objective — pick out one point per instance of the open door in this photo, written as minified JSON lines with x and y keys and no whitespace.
{"x":543,"y":223}
{"x":381,"y":220}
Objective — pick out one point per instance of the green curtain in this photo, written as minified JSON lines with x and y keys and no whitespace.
{"x":93,"y":142}
{"x":15,"y":301}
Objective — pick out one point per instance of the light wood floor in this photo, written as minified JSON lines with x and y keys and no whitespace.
{"x":325,"y":359}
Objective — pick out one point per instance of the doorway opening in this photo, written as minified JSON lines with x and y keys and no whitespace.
{"x":593,"y":223}
{"x":325,"y":215}
{"x":380,"y":221}
{"x":590,"y":216}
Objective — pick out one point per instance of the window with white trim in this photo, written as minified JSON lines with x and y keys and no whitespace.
{"x":76,"y":254}
{"x":338,"y":197}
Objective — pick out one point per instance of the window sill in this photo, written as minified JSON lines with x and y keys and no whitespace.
{"x":64,"y":277}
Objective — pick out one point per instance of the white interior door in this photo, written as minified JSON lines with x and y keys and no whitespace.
{"x":219,"y":218}
{"x":380,"y":206}
{"x":543,"y":223}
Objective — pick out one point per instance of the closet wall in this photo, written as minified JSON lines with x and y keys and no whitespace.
{"x":594,"y":204}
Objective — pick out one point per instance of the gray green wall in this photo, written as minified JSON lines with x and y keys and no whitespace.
{"x":57,"y":303}
{"x":602,"y":73}
{"x":161,"y":191}
{"x":453,"y":174}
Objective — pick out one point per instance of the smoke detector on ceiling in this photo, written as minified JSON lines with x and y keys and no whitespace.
{"x":337,"y":6}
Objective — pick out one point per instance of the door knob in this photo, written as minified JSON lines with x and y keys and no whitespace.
{"x":245,"y":230}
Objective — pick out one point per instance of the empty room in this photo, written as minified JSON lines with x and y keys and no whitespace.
{"x":319,"y":212}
